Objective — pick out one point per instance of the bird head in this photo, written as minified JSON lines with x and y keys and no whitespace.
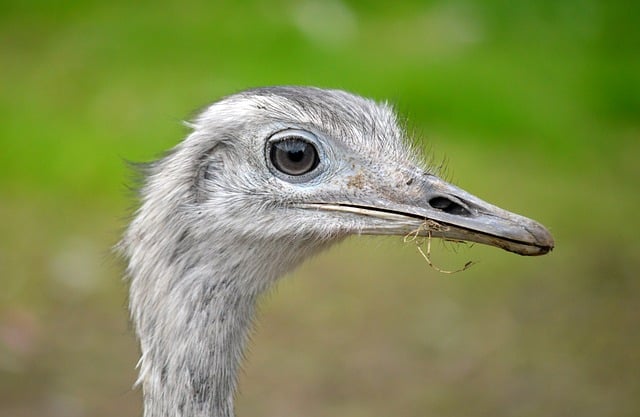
{"x":306,"y":164}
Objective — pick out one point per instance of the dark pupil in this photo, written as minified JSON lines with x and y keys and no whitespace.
{"x":294,"y":156}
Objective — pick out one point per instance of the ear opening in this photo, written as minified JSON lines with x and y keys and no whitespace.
{"x":210,"y":164}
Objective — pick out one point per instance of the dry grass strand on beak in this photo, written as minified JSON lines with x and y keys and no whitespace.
{"x":430,"y":226}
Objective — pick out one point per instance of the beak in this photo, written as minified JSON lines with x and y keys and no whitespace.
{"x":428,"y":205}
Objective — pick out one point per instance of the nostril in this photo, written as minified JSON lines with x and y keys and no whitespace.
{"x":448,"y":206}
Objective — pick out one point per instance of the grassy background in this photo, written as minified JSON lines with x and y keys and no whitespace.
{"x":535,"y":104}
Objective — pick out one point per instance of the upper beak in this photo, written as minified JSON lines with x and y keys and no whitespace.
{"x":430,"y":206}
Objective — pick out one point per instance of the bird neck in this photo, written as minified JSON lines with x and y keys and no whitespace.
{"x":193,"y":311}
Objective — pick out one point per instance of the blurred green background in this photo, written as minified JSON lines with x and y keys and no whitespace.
{"x":534,"y":104}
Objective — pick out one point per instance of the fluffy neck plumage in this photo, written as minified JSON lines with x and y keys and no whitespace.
{"x":192,"y":299}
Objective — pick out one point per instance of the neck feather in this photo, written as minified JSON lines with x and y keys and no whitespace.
{"x":193,"y":307}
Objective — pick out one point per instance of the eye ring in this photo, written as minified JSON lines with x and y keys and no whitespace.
{"x":293,"y":153}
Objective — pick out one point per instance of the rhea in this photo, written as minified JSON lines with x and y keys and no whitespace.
{"x":266,"y":178}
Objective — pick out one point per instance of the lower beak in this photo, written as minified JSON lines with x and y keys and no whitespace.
{"x":433,"y":207}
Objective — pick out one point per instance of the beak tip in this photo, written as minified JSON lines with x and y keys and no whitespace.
{"x":541,"y":237}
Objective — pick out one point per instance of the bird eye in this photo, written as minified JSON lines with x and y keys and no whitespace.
{"x":294,"y":156}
